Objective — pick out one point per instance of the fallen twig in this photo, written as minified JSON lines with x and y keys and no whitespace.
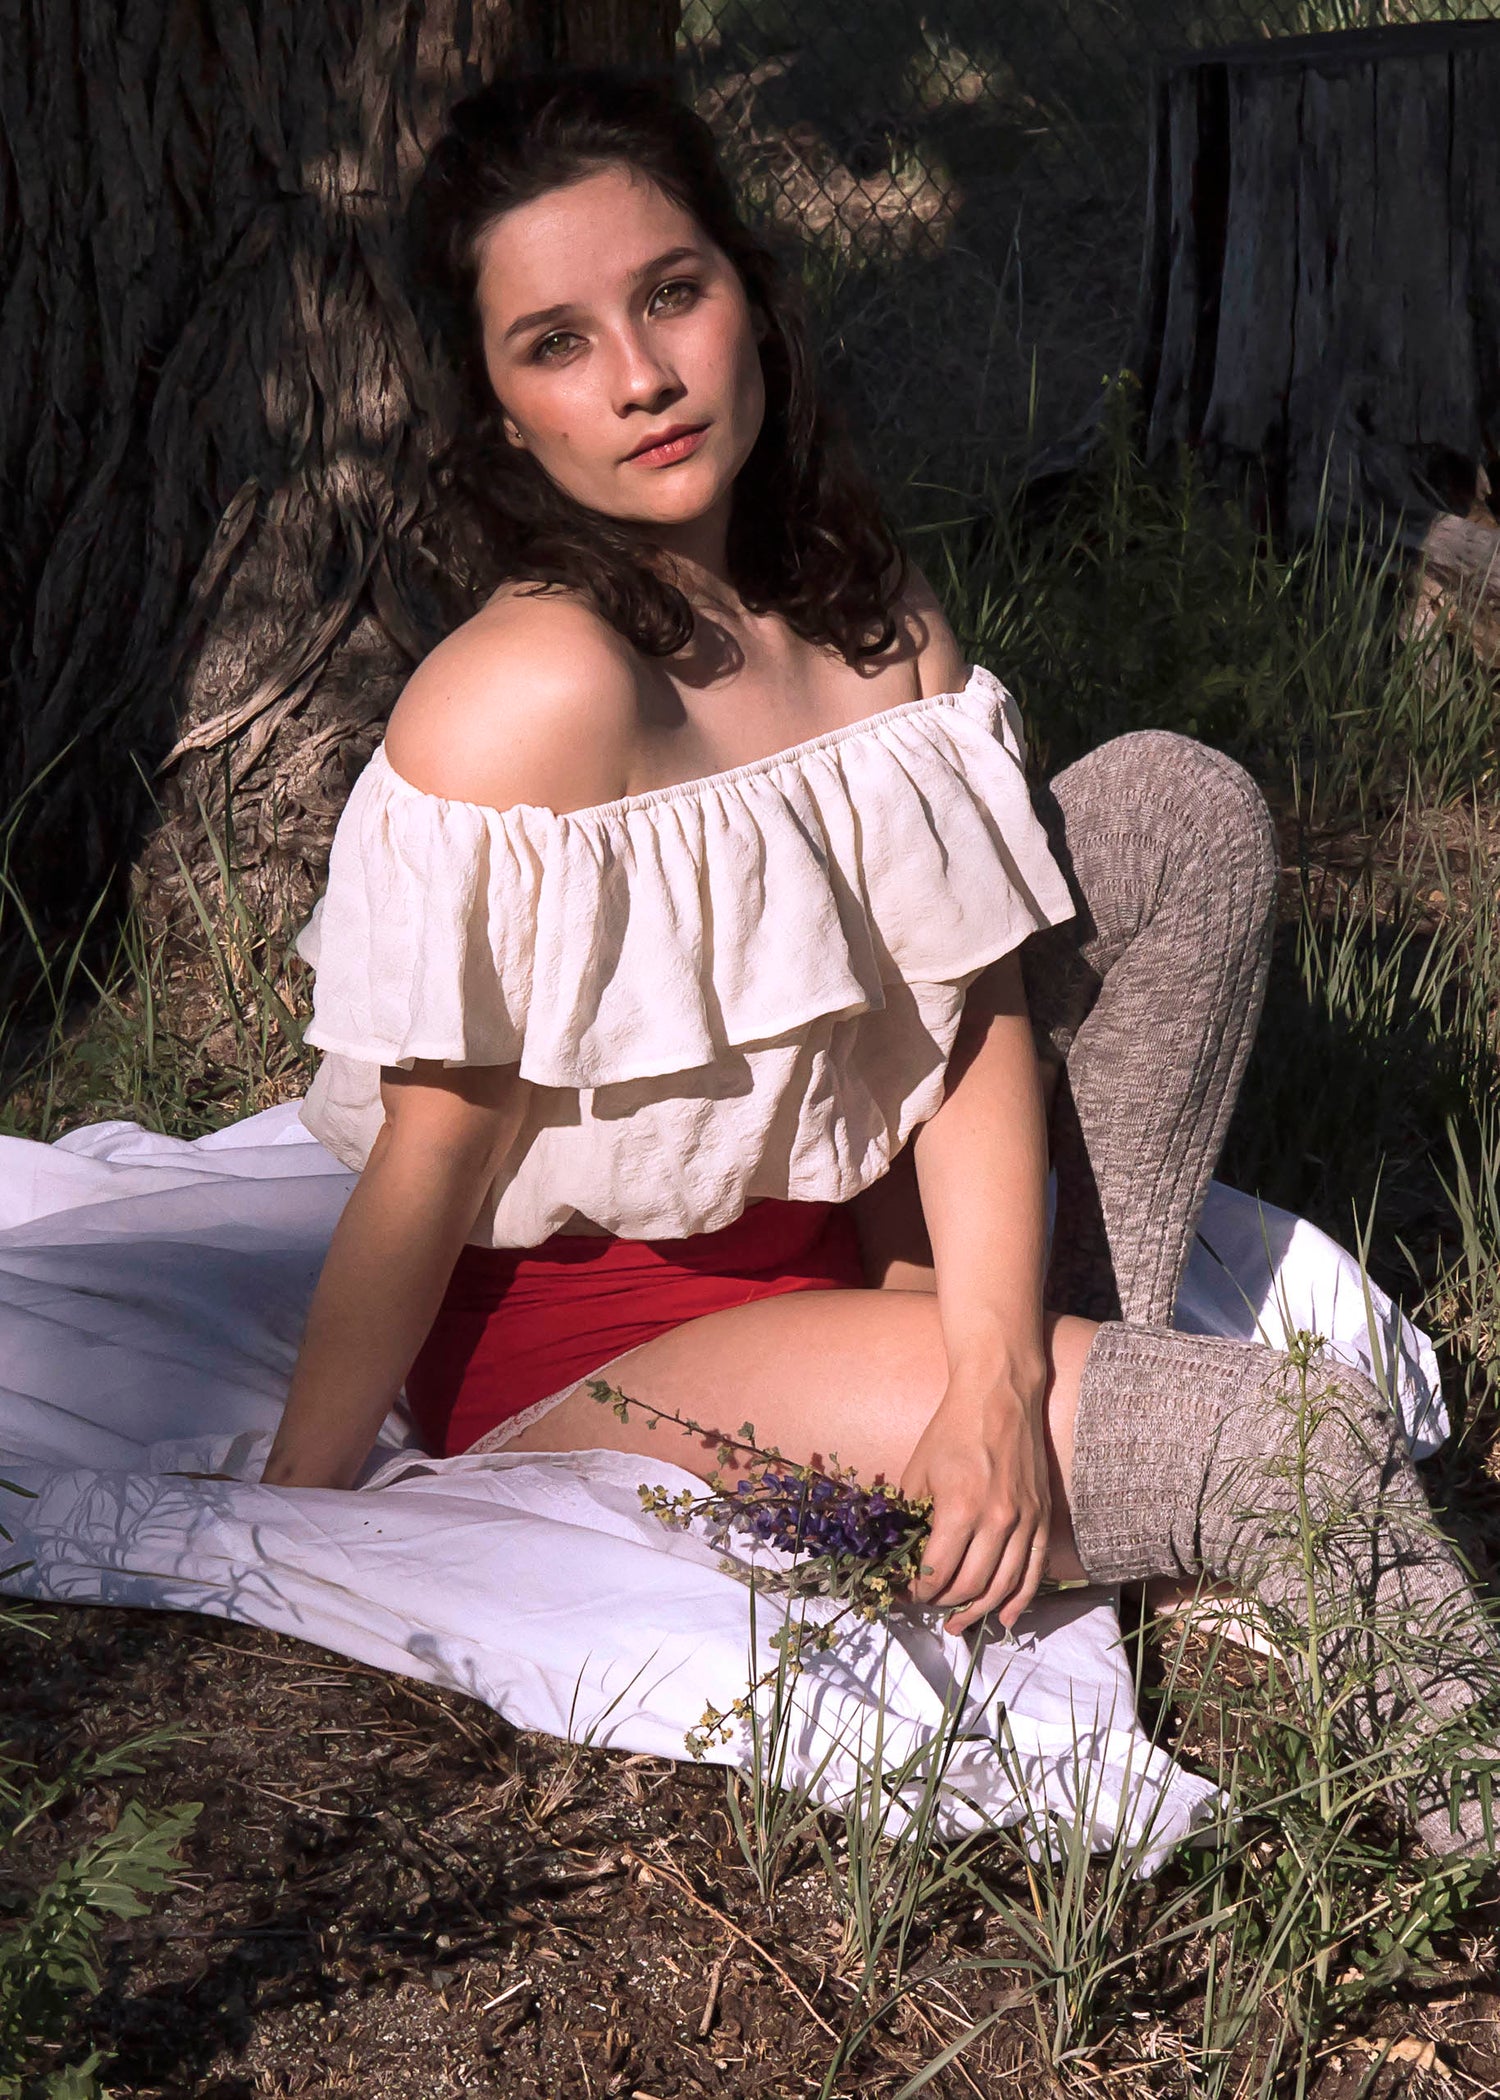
{"x":711,"y":2003}
{"x":680,"y":1881}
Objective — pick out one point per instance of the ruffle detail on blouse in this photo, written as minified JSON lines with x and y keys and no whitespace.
{"x":649,"y":935}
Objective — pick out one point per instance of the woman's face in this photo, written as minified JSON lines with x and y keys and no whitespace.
{"x":622,"y":348}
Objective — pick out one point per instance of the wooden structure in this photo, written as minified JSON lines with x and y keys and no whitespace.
{"x":1320,"y":308}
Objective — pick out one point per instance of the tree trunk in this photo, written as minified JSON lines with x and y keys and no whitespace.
{"x":1321,"y":283}
{"x":215,"y":410}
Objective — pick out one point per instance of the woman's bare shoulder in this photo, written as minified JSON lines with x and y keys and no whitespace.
{"x":942,"y":666}
{"x":534,"y":700}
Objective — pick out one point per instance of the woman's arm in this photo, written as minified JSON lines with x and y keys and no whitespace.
{"x":451,"y":733}
{"x":981,"y":1165}
{"x":388,"y":1264}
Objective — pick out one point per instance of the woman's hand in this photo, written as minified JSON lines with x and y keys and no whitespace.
{"x":983,"y":1459}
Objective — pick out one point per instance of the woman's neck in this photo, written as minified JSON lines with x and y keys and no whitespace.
{"x":697,"y":554}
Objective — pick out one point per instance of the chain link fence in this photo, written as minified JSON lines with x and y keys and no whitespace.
{"x":965,"y":182}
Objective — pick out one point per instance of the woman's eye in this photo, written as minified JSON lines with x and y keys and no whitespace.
{"x":679,"y":293}
{"x":546,"y":352}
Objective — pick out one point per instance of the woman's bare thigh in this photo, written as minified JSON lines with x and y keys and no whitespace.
{"x":854,"y":1375}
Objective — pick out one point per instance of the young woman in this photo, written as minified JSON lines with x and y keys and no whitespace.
{"x":690,"y":942}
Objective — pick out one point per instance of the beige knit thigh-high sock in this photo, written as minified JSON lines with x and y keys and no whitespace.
{"x":1201,"y":1456}
{"x":1149,"y":999}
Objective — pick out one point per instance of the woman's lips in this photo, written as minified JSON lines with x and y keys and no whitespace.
{"x":670,"y":450}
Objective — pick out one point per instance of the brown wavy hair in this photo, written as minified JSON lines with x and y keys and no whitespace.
{"x":808,"y":537}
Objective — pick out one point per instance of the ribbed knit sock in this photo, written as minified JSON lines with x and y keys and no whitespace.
{"x":1149,"y":999}
{"x":1197,"y":1456}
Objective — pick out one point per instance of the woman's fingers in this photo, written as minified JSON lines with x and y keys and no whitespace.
{"x":1001,"y":1574}
{"x":992,"y":1605}
{"x":975,"y":1575}
{"x":1016,"y":1595}
{"x":1001,"y":1578}
{"x":946,"y":1551}
{"x":965,"y":1527}
{"x":981,"y":1553}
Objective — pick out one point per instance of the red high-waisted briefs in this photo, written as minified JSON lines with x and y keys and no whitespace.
{"x":518,"y":1324}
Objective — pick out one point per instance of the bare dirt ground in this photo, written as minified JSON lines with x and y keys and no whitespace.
{"x":391,"y":1893}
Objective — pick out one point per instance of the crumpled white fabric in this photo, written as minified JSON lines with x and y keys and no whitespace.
{"x":152,"y":1292}
{"x":750,"y":982}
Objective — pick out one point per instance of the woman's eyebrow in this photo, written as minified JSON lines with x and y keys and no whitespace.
{"x":552,"y":314}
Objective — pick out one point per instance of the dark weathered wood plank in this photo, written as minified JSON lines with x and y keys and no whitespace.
{"x":1246,"y":409}
{"x":1192,"y":180}
{"x":1476,"y":197}
{"x":1326,"y":397}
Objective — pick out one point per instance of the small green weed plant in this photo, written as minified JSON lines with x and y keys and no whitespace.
{"x":50,"y":1933}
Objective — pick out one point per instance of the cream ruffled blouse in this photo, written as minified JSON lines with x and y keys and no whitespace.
{"x":747,"y":985}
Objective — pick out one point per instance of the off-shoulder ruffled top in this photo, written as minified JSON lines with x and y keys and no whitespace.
{"x":746,"y":985}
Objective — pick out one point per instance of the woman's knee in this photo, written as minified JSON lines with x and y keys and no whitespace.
{"x":1161,"y":778}
{"x":1158,"y":808}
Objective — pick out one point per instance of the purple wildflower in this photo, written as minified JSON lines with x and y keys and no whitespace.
{"x":805,"y":1512}
{"x":861,"y":1545}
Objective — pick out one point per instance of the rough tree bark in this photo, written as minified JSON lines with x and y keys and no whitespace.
{"x":1321,"y":280}
{"x":215,"y":409}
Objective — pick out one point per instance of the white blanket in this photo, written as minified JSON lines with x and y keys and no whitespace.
{"x":152,"y":1292}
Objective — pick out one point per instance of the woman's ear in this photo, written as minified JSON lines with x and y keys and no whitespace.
{"x":512,"y":434}
{"x":760,"y":323}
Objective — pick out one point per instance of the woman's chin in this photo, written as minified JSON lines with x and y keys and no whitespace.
{"x":675,"y":495}
{"x":672,"y":510}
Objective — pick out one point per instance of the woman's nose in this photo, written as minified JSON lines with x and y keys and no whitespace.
{"x":642,"y":377}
